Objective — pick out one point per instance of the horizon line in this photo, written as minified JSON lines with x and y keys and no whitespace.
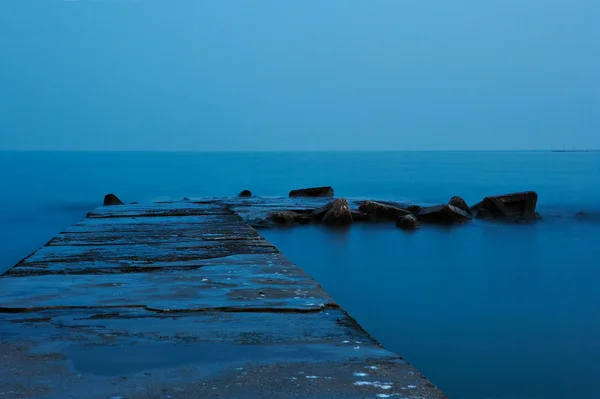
{"x":275,"y":151}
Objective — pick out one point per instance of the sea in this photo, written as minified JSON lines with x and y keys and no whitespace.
{"x":485,"y":310}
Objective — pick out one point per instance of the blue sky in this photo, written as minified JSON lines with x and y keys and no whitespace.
{"x":303,"y":75}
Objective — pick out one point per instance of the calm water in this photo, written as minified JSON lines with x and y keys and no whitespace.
{"x":484,"y":310}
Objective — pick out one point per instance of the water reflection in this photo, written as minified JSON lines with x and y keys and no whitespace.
{"x":484,"y":309}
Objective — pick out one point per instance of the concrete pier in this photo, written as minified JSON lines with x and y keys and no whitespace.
{"x":183,"y":300}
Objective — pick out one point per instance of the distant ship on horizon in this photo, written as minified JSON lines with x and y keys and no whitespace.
{"x":565,"y":149}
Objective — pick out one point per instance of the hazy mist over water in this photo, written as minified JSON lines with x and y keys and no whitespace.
{"x":485,"y":310}
{"x":310,"y":75}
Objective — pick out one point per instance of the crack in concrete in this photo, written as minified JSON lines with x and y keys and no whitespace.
{"x":224,"y":309}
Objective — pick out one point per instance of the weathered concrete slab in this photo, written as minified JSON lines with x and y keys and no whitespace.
{"x":265,"y":283}
{"x":183,"y":208}
{"x":182,"y":300}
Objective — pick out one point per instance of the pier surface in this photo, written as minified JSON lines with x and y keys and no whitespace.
{"x":182,"y":300}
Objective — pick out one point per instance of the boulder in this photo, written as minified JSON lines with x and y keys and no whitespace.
{"x":245,"y":194}
{"x":335,"y":213}
{"x":484,"y":214}
{"x":313,"y":192}
{"x":286,"y":218}
{"x":460,"y":204}
{"x":475,"y":208}
{"x":111,"y":199}
{"x":304,"y":219}
{"x":447,"y":214}
{"x":414,"y":209}
{"x":377,"y":210}
{"x":407,"y":222}
{"x":516,"y":206}
{"x":358,"y":216}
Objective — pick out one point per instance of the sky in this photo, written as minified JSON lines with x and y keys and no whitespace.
{"x":299,"y":75}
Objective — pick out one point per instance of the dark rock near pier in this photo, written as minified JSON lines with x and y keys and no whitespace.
{"x":286,"y":218}
{"x":313,"y":192}
{"x":359,"y":216}
{"x":335,"y":213}
{"x":245,"y":194}
{"x":516,"y":206}
{"x":407,"y":222}
{"x":460,"y":203}
{"x":414,"y":209}
{"x":111,"y":199}
{"x":484,"y":214}
{"x":303,"y":219}
{"x":377,"y":210}
{"x":475,"y":208}
{"x":446,"y":214}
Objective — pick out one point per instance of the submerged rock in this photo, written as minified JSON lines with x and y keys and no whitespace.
{"x":335,"y":213}
{"x":408,"y":222}
{"x":111,"y":199}
{"x":516,"y":206}
{"x":377,"y":210}
{"x":460,"y":203}
{"x":245,"y":194}
{"x":446,"y":214}
{"x":326,"y":191}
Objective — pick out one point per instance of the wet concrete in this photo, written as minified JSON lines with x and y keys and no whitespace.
{"x":183,"y":300}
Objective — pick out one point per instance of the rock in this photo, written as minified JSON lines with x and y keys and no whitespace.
{"x":313,"y":192}
{"x":335,"y":213}
{"x":303,"y":219}
{"x":414,"y":209}
{"x":338,"y":213}
{"x":407,"y":222}
{"x":380,"y":211}
{"x":483,"y":213}
{"x":475,"y":208}
{"x":285,"y":218}
{"x":460,"y":204}
{"x":304,"y":216}
{"x":245,"y":194}
{"x":447,"y":214}
{"x":358,"y":216}
{"x":111,"y":199}
{"x":515,"y":206}
{"x":186,"y":199}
